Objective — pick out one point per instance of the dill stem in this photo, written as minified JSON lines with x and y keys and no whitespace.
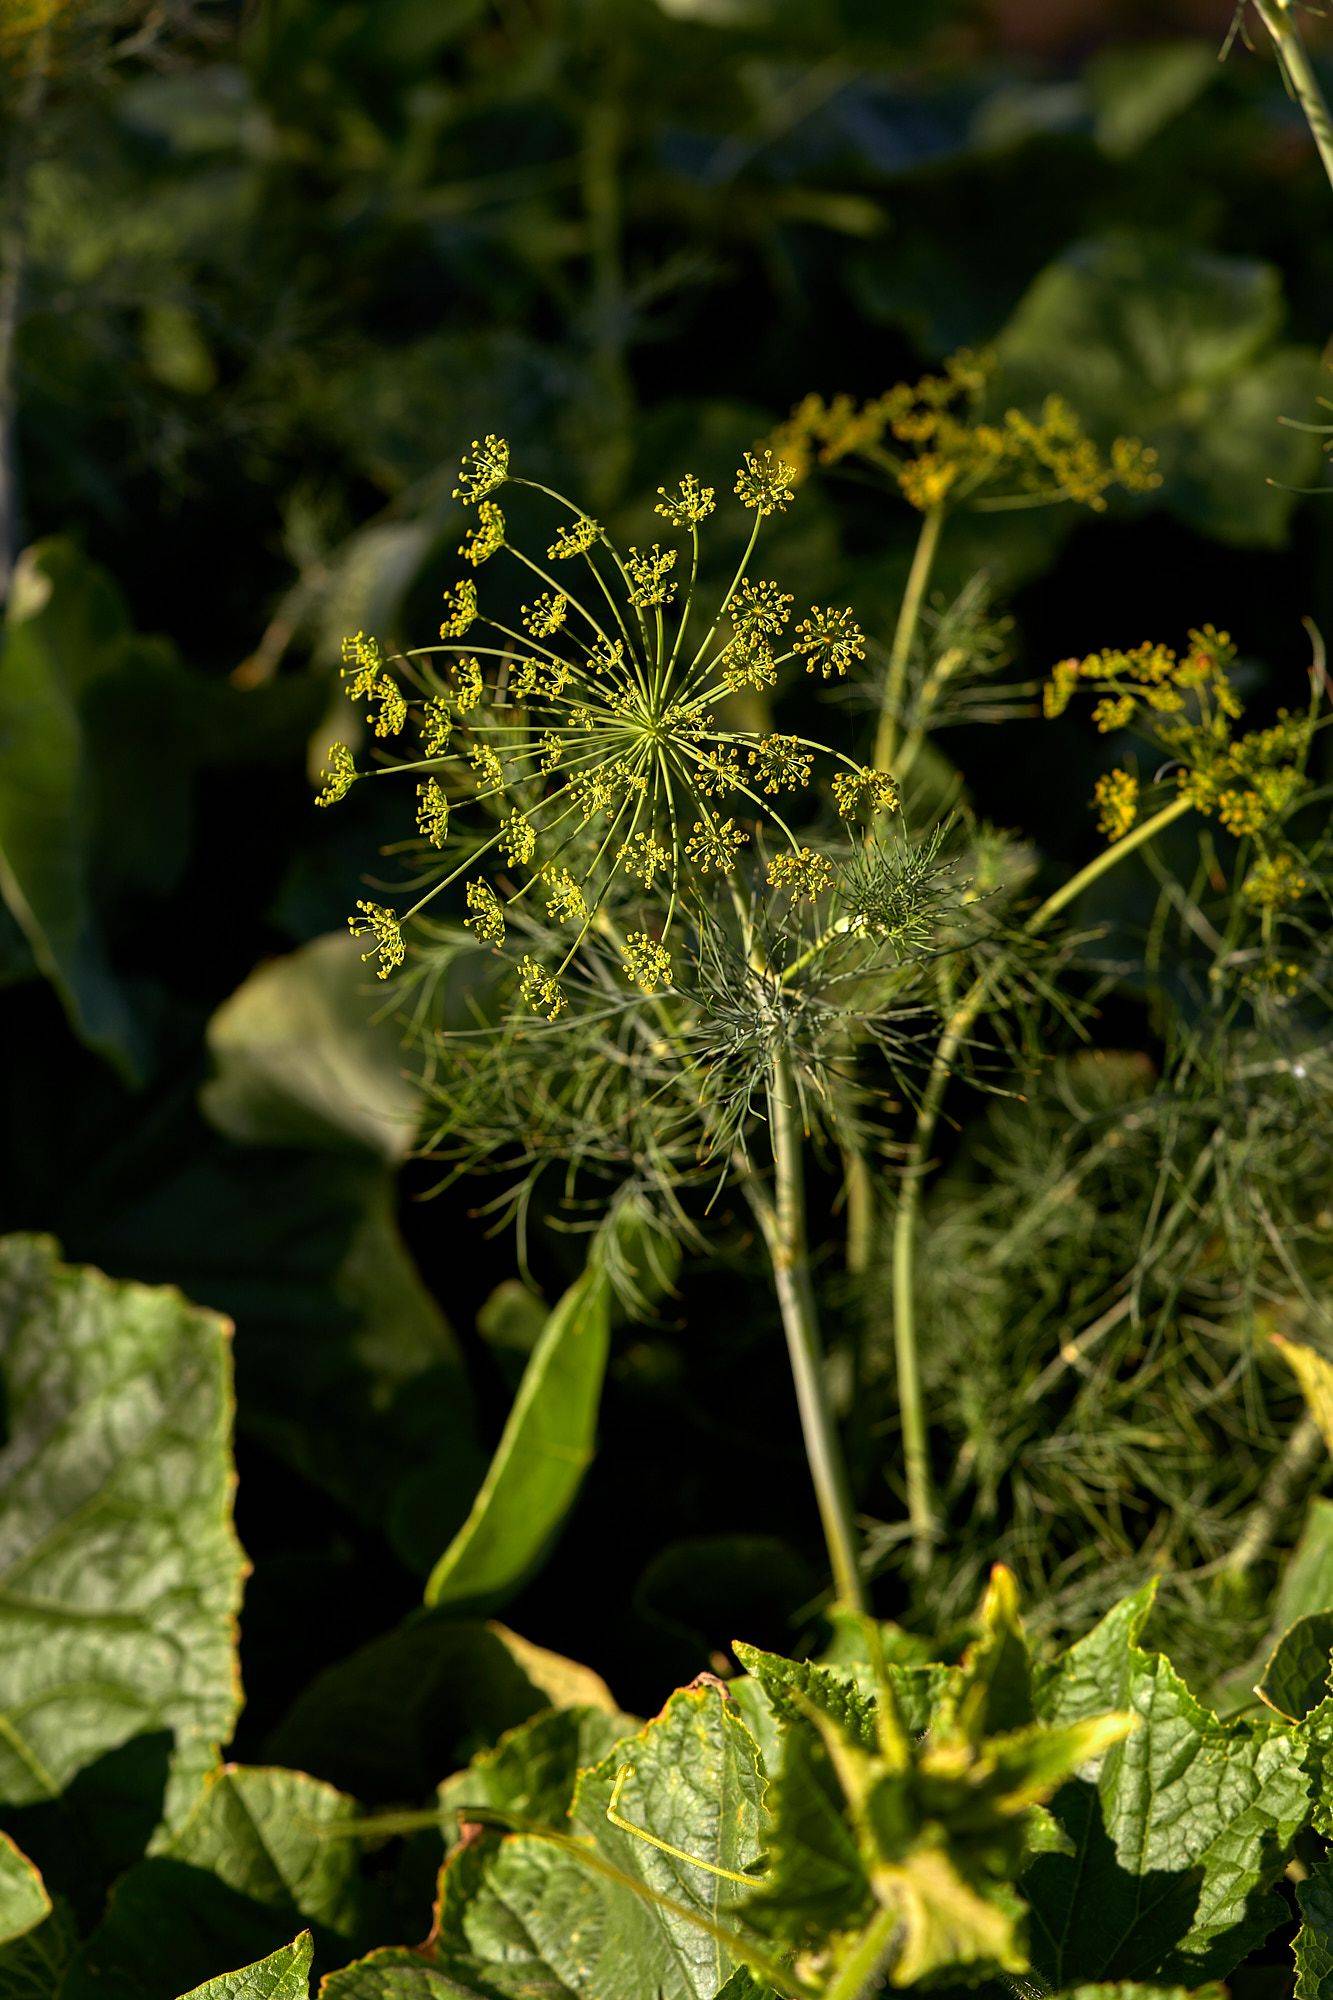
{"x":1302,"y":1449}
{"x":783,"y":1224}
{"x":909,"y":617}
{"x":916,"y":1463}
{"x":1293,"y":58}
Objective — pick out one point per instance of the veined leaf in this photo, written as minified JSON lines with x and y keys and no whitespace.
{"x":120,"y":1572}
{"x":1314,"y":1940}
{"x":540,"y":1460}
{"x":262,"y":1852}
{"x":1176,"y":1839}
{"x":1296,"y":1679}
{"x":24,"y":1902}
{"x":532,"y":1771}
{"x":402,"y":1975}
{"x":283,"y":1975}
{"x":33,"y":1966}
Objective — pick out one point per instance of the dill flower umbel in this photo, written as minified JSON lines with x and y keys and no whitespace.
{"x":936,"y":441}
{"x":573,"y":755}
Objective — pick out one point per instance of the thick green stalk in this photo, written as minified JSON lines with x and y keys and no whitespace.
{"x":1278,"y":16}
{"x":904,"y":636}
{"x":860,"y":1975}
{"x":920,"y":1508}
{"x":783,"y":1223}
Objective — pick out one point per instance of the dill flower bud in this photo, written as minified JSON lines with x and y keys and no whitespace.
{"x":690,"y":504}
{"x":460,"y":601}
{"x":1113,"y":712}
{"x":484,"y":467}
{"x":488,"y":769}
{"x":546,"y":614}
{"x":518,"y":842}
{"x":647,"y":570}
{"x":436,"y":725}
{"x":482,"y":541}
{"x":830,"y":640}
{"x":379,"y":923}
{"x":647,"y":963}
{"x":432,"y":812}
{"x":565,"y":901}
{"x":864,"y":790}
{"x":749,"y":663}
{"x":362,"y":663}
{"x":1274,"y":882}
{"x":1117,"y":798}
{"x":339,"y":775}
{"x":760,"y":607}
{"x":719,"y":772}
{"x":713,"y":847}
{"x":539,"y":989}
{"x":765,"y":483}
{"x":575,"y":540}
{"x":805,"y":874}
{"x":392,"y":706}
{"x":781,"y":764}
{"x":644,"y":857}
{"x":487,"y":918}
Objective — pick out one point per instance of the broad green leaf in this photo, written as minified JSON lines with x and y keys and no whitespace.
{"x":23,"y":1898}
{"x":1139,"y":89}
{"x":1296,"y":1677}
{"x":1178,"y":346}
{"x":1315,"y":1375}
{"x":283,"y":1975}
{"x":540,"y":1460}
{"x":33,"y":1966}
{"x":1314,"y":1940}
{"x":532,"y":1771}
{"x":263,"y":1852}
{"x":1178,"y":1836}
{"x":120,"y":1572}
{"x":397,"y":1717}
{"x":523,"y":1916}
{"x":1307,"y":1581}
{"x":301,"y":1057}
{"x":846,"y":1694}
{"x":816,"y":1883}
{"x":394,"y":1974}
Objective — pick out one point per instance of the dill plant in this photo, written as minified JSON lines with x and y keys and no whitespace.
{"x":676,"y":926}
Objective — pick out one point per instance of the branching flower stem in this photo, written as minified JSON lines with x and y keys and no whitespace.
{"x":782,"y":1221}
{"x":888,"y":733}
{"x":916,"y":1463}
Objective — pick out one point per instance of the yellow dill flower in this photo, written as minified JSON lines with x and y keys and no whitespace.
{"x":764,"y":483}
{"x":482,"y":541}
{"x":392,"y":706}
{"x":575,"y":540}
{"x":864,"y":790}
{"x":539,"y":989}
{"x":565,"y":901}
{"x":748,"y":662}
{"x":713,"y":847}
{"x":1242,"y":812}
{"x":487,"y":766}
{"x":460,"y":601}
{"x":518,"y":842}
{"x":484,"y":467}
{"x":1113,"y":712}
{"x":760,"y":607}
{"x":379,"y":923}
{"x":647,"y":570}
{"x":830,"y":640}
{"x":644,"y":857}
{"x":719,"y":772}
{"x":339,"y":775}
{"x":437,"y":721}
{"x":647,"y":963}
{"x":362,"y":663}
{"x":781,"y":764}
{"x":466,"y":685}
{"x":688,"y":505}
{"x":805,"y":873}
{"x":546,"y":614}
{"x":487,"y":918}
{"x":547,"y":678}
{"x":432,"y":812}
{"x":1117,"y":797}
{"x":1274,"y":882}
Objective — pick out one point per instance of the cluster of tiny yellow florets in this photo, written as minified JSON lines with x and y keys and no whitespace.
{"x":1186,"y":704}
{"x":592,"y":746}
{"x":932,"y":437}
{"x":1275,"y":882}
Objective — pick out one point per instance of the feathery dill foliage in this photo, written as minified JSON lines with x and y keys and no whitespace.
{"x":585,"y":742}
